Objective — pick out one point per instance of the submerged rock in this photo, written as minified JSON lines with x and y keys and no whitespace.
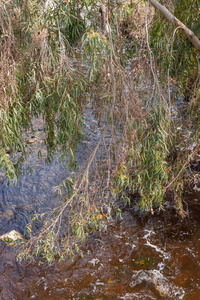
{"x":159,"y":282}
{"x":12,"y":238}
{"x":8,"y":214}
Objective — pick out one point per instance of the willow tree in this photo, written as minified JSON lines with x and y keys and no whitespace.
{"x":175,"y":41}
{"x":36,"y":79}
{"x":38,"y":40}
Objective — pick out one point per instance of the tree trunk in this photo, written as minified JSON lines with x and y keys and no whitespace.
{"x":178,"y":24}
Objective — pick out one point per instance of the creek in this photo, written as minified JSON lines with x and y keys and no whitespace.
{"x":149,"y":257}
{"x":137,"y":257}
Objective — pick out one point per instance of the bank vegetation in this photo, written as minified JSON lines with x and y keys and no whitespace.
{"x":142,"y":79}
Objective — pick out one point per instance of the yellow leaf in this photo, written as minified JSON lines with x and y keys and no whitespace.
{"x":100,"y":216}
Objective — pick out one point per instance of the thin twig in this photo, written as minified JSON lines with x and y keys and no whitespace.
{"x":184,"y":165}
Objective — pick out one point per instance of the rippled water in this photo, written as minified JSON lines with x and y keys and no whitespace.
{"x":34,"y":191}
{"x":149,"y":257}
{"x":136,"y":258}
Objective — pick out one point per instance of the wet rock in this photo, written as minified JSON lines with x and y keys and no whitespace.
{"x":32,"y":140}
{"x":11,"y":238}
{"x":157,"y":279}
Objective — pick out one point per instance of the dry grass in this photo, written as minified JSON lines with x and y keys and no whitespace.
{"x":134,"y":24}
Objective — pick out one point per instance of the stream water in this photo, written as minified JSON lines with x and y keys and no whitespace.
{"x":137,"y":257}
{"x":149,"y":257}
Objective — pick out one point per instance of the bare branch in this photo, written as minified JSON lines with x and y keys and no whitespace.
{"x":172,"y":19}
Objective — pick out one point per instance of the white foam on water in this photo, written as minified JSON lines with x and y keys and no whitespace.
{"x":149,"y":244}
{"x":160,"y":283}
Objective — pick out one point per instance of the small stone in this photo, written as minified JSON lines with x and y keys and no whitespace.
{"x":163,"y":291}
{"x":11,"y":238}
{"x":31,"y":141}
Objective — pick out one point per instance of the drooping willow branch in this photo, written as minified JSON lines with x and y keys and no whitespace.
{"x":178,"y":24}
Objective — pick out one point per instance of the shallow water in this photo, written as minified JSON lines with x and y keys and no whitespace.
{"x":154,"y":257}
{"x":149,"y":257}
{"x":35,"y":190}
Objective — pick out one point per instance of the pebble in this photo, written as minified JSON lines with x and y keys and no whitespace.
{"x":31,"y":141}
{"x":11,"y":237}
